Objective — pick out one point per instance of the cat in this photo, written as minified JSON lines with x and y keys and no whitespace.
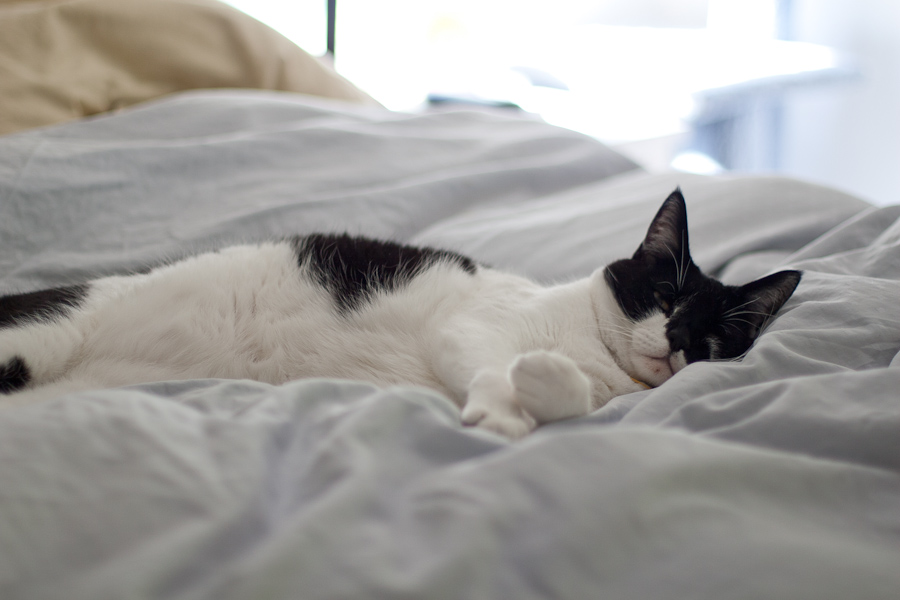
{"x":512,"y":354}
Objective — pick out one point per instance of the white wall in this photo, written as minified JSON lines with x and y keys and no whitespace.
{"x":849,"y":137}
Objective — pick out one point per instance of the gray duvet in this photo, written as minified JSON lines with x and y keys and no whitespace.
{"x":774,"y":477}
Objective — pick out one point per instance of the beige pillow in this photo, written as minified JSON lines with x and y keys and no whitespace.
{"x":65,"y":60}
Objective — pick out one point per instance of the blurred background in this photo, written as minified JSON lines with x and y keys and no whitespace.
{"x":807,"y":88}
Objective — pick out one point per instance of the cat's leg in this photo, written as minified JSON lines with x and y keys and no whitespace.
{"x":491,"y":404}
{"x":473,"y":366}
{"x":549,"y":386}
{"x":39,"y":334}
{"x":538,"y":388}
{"x":506,"y":392}
{"x":34,"y":354}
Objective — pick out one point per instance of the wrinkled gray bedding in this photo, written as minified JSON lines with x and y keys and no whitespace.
{"x":774,"y":477}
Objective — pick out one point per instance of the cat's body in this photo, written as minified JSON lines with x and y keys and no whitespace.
{"x":511,"y":353}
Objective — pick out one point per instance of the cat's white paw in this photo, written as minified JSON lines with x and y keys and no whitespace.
{"x":491,"y":405}
{"x":507,"y":423}
{"x":550,"y":386}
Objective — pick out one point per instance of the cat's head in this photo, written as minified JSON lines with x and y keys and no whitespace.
{"x":673,"y":314}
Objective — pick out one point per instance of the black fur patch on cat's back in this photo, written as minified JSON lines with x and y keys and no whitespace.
{"x":20,"y":309}
{"x":352,"y":268}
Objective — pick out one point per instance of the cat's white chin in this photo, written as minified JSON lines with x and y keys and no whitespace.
{"x":656,"y":370}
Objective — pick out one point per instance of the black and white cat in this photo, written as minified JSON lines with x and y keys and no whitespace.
{"x":510,"y":353}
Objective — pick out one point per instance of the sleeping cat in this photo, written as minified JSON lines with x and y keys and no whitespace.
{"x":510,"y":353}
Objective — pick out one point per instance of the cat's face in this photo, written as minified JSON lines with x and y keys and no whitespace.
{"x":673,"y":314}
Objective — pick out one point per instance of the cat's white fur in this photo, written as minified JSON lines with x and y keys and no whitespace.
{"x":510,"y":353}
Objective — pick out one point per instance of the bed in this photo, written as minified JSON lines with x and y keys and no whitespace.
{"x":777,"y":476}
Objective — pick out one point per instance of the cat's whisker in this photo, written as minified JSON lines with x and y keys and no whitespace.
{"x":677,"y":265}
{"x":741,"y":320}
{"x":739,"y":306}
{"x":684,"y":268}
{"x":616,"y":328}
{"x":727,"y":360}
{"x":669,"y":283}
{"x":732,"y":325}
{"x":746,"y":312}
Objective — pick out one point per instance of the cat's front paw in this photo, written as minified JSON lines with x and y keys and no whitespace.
{"x":509,"y":424}
{"x":550,"y":386}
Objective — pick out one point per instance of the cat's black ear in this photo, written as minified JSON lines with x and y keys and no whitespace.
{"x":667,"y":236}
{"x":763,"y":298}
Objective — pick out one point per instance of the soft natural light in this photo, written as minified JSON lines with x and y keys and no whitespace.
{"x":743,"y":18}
{"x":612,"y":81}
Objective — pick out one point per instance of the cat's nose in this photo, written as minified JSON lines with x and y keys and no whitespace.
{"x":679,"y":338}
